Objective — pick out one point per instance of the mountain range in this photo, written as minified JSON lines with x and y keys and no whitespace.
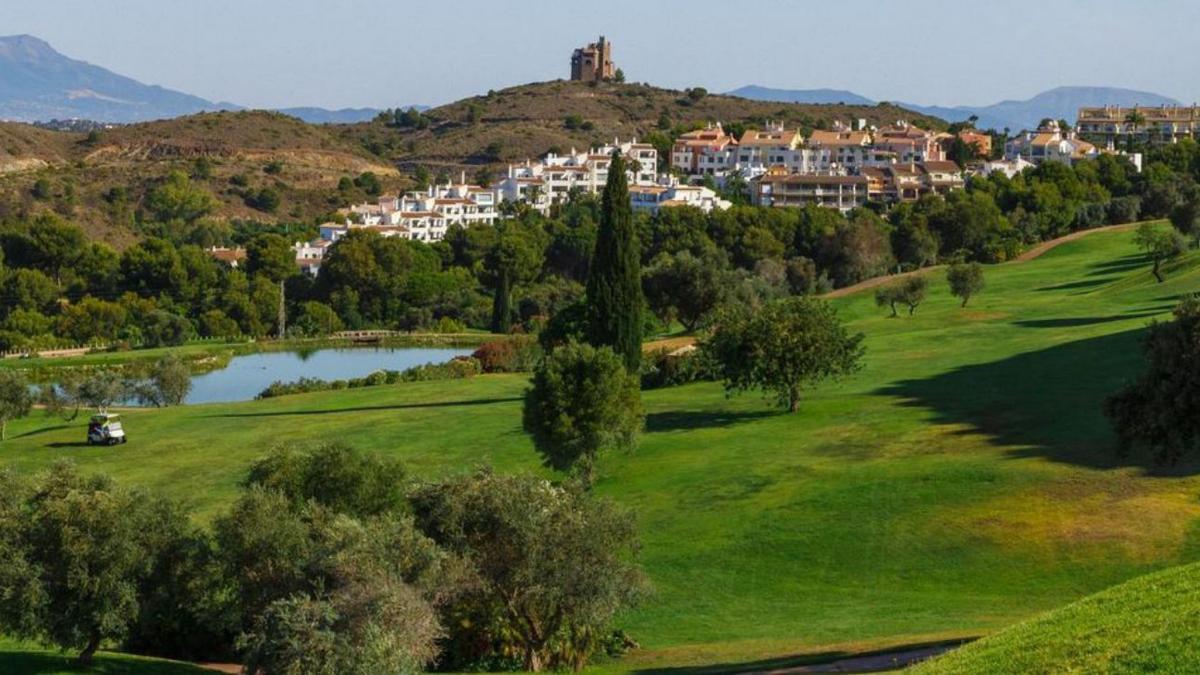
{"x":1057,"y":103}
{"x":37,"y":83}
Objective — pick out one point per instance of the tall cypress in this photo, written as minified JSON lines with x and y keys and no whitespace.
{"x":502,"y":304}
{"x":614,"y":289}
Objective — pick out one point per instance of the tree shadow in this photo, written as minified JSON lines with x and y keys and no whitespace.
{"x":839,"y":661}
{"x":371,"y":408}
{"x":707,"y":419}
{"x":62,"y":444}
{"x":1072,"y":322}
{"x":1086,"y":283}
{"x":1118,"y":265}
{"x":46,"y":430}
{"x":1045,"y":403}
{"x":48,"y":662}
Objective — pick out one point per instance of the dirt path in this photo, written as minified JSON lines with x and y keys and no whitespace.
{"x":1033,"y":253}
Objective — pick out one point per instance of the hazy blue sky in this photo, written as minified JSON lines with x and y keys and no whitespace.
{"x":381,"y":53}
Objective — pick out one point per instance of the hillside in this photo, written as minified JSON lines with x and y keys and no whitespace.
{"x":236,"y":146}
{"x":1142,"y":626}
{"x":523,"y":122}
{"x":962,"y":482}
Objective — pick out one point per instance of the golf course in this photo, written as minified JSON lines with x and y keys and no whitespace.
{"x":962,"y":482}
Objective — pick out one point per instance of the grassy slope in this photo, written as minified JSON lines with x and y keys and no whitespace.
{"x":528,"y":120}
{"x":17,"y":658}
{"x":1142,"y":626}
{"x":964,"y":481}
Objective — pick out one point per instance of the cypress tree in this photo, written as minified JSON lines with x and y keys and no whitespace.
{"x":502,"y":304}
{"x":614,"y":289}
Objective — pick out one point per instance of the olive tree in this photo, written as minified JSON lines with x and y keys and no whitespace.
{"x":1159,"y":245}
{"x":783,"y":347}
{"x":909,"y":292}
{"x":582,"y":402}
{"x":965,"y":279}
{"x":548,"y":568}
{"x":1159,"y":409}
{"x":15,"y":399}
{"x":76,"y":550}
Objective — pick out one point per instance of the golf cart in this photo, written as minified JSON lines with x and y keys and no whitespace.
{"x":105,"y":429}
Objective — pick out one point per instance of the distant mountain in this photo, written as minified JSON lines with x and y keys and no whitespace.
{"x":38,"y":83}
{"x":810,"y":96}
{"x":325,"y":116}
{"x":1058,"y":103}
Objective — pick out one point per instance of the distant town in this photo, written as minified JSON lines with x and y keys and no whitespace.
{"x":848,"y":166}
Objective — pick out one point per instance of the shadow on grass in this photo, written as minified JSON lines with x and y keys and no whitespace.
{"x":46,"y":430}
{"x":1122,"y":264}
{"x":1044,"y":403}
{"x":372,"y":408}
{"x":710,"y":419}
{"x":37,"y":663}
{"x":1082,"y":320}
{"x":831,"y":662}
{"x":63,"y":444}
{"x":1086,"y":283}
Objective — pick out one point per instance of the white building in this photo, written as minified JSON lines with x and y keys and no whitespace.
{"x":554,"y":177}
{"x":651,"y":198}
{"x":1049,"y":144}
{"x":704,"y":152}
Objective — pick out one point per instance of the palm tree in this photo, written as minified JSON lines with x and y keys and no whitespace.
{"x":1134,"y":119}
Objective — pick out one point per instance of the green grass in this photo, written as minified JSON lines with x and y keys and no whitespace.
{"x":962,"y":482}
{"x":1147,"y":625}
{"x":27,"y":659}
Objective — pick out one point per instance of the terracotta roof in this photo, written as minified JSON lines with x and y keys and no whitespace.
{"x":756,"y":138}
{"x":835,"y":138}
{"x":229,"y":255}
{"x":940,"y":167}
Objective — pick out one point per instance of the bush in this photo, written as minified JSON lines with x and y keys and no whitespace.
{"x":459,"y":368}
{"x":518,"y":354}
{"x":666,"y":368}
{"x":1124,"y":210}
{"x":582,"y":402}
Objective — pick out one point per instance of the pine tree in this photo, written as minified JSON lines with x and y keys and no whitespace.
{"x":614,"y":290}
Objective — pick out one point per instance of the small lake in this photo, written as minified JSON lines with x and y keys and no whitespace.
{"x":248,"y":375}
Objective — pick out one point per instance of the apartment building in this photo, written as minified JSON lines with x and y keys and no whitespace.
{"x":652,"y":198}
{"x":1114,"y":126}
{"x":1049,"y":144}
{"x":781,"y":189}
{"x":554,"y":177}
{"x":705,"y":152}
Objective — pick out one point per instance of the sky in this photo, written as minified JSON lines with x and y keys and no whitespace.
{"x":381,"y":53}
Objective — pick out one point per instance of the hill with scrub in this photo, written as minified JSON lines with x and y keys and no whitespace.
{"x":1142,"y":626}
{"x":511,"y":125}
{"x":962,"y":482}
{"x":101,"y":180}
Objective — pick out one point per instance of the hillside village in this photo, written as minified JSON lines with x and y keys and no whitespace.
{"x":848,"y":166}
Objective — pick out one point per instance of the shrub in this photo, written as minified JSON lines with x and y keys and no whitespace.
{"x":517,"y":354}
{"x":666,"y":368}
{"x":582,"y":402}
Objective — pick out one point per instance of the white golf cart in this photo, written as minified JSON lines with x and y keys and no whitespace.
{"x":105,"y":429}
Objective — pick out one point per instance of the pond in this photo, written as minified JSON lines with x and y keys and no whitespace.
{"x":248,"y":375}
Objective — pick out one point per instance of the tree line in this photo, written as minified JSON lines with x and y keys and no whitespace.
{"x":57,"y":287}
